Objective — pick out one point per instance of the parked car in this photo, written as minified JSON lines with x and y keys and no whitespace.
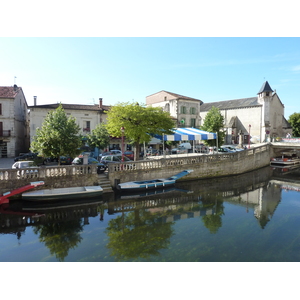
{"x":129,"y":154}
{"x":232,"y":148}
{"x":91,"y":161}
{"x":66,"y":160}
{"x":24,"y":164}
{"x":25,"y":156}
{"x":110,"y":152}
{"x":107,"y":159}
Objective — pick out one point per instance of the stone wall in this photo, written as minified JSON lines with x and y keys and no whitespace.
{"x":54,"y":177}
{"x":204,"y":166}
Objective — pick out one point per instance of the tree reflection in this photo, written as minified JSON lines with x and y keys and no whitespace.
{"x":213,"y":221}
{"x":137,"y":234}
{"x":60,"y":237}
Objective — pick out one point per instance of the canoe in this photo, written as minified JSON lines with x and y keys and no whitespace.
{"x":63,"y":193}
{"x":151,"y":184}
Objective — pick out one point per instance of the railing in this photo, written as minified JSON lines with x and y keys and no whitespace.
{"x":174,"y":160}
{"x":41,"y":173}
{"x":4,"y":133}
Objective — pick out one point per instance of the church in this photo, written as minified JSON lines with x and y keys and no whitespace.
{"x":260,"y":118}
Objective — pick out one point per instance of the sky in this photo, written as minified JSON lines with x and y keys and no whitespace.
{"x":124,"y":69}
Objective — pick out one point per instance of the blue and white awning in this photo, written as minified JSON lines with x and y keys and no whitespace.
{"x":189,"y":134}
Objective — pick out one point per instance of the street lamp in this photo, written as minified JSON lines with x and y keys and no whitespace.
{"x":249,"y":137}
{"x":122,"y":145}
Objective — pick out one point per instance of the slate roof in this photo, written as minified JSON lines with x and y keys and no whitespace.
{"x":231,"y":104}
{"x":8,"y":91}
{"x":265,"y":88}
{"x":94,"y":107}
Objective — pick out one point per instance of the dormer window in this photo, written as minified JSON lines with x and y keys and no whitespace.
{"x":267,"y":93}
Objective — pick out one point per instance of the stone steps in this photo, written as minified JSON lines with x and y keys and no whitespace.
{"x":105,"y":183}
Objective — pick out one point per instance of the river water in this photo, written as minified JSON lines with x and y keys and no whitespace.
{"x":252,"y":217}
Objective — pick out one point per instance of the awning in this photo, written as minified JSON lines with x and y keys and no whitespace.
{"x":189,"y":134}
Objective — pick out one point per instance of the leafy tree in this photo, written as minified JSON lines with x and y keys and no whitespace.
{"x":99,"y":137}
{"x":59,"y":135}
{"x":214,"y":122}
{"x":294,"y":120}
{"x":138,"y":122}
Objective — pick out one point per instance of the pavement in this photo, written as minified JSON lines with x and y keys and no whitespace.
{"x":6,"y":163}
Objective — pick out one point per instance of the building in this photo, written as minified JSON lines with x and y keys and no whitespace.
{"x":261,"y":118}
{"x":87,"y":116}
{"x":184,"y":110}
{"x":14,"y":121}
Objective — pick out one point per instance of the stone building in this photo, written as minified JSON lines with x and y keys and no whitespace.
{"x":184,"y":110}
{"x":261,"y":118}
{"x":14,"y":121}
{"x":87,"y":116}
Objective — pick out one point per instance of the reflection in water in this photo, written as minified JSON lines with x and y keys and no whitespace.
{"x":147,"y":226}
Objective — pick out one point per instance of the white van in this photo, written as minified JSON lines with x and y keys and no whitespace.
{"x":182,"y":148}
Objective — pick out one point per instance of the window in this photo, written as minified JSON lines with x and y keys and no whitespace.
{"x":193,"y":123}
{"x":183,"y":109}
{"x":0,"y":109}
{"x":192,"y":110}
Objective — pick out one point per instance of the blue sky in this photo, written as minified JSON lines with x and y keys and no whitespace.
{"x":125,"y":69}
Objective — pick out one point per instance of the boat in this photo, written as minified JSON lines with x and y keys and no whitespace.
{"x":285,"y":160}
{"x":63,"y":193}
{"x":151,"y":184}
{"x":5,"y":197}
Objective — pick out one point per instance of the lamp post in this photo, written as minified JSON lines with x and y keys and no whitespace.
{"x":249,"y":137}
{"x":122,"y":145}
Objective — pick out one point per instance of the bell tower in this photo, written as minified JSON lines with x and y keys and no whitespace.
{"x":265,"y":98}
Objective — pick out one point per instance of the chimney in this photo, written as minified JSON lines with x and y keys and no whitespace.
{"x":100,"y":102}
{"x":34,"y":100}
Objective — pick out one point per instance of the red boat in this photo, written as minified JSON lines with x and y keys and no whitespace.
{"x":5,"y":196}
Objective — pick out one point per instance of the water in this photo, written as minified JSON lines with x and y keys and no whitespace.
{"x":253,"y":217}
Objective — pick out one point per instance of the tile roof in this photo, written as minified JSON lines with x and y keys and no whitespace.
{"x":182,"y":97}
{"x":94,"y":107}
{"x":8,"y":91}
{"x":231,"y":104}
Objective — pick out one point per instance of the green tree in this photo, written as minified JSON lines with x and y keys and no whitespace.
{"x":138,"y":122}
{"x":214,"y":122}
{"x":59,"y":135}
{"x":294,"y":120}
{"x":99,"y":137}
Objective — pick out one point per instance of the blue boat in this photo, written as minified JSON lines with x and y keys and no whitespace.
{"x":151,"y":184}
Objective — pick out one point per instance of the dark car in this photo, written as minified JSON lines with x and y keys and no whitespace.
{"x":107,"y":159}
{"x":91,"y":161}
{"x":66,"y":160}
{"x":129,"y":154}
{"x":26,"y":156}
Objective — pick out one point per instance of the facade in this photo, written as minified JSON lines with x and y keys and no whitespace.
{"x":184,"y":110}
{"x":14,"y":121}
{"x":256,"y":119}
{"x":259,"y":119}
{"x":87,"y":116}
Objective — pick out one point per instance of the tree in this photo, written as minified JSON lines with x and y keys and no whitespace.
{"x":214,"y":122}
{"x":294,"y":120}
{"x":139,"y":122}
{"x":99,"y":137}
{"x":59,"y":135}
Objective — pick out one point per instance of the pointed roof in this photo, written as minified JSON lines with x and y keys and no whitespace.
{"x":265,"y":88}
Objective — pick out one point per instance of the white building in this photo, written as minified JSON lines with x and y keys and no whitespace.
{"x":261,"y":117}
{"x":87,"y":116}
{"x":14,"y":128}
{"x":184,"y":110}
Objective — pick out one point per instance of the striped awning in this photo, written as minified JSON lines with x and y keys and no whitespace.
{"x":189,"y":134}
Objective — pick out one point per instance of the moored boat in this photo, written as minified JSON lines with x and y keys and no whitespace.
{"x":285,"y":160}
{"x":63,"y":193}
{"x":152,"y":184}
